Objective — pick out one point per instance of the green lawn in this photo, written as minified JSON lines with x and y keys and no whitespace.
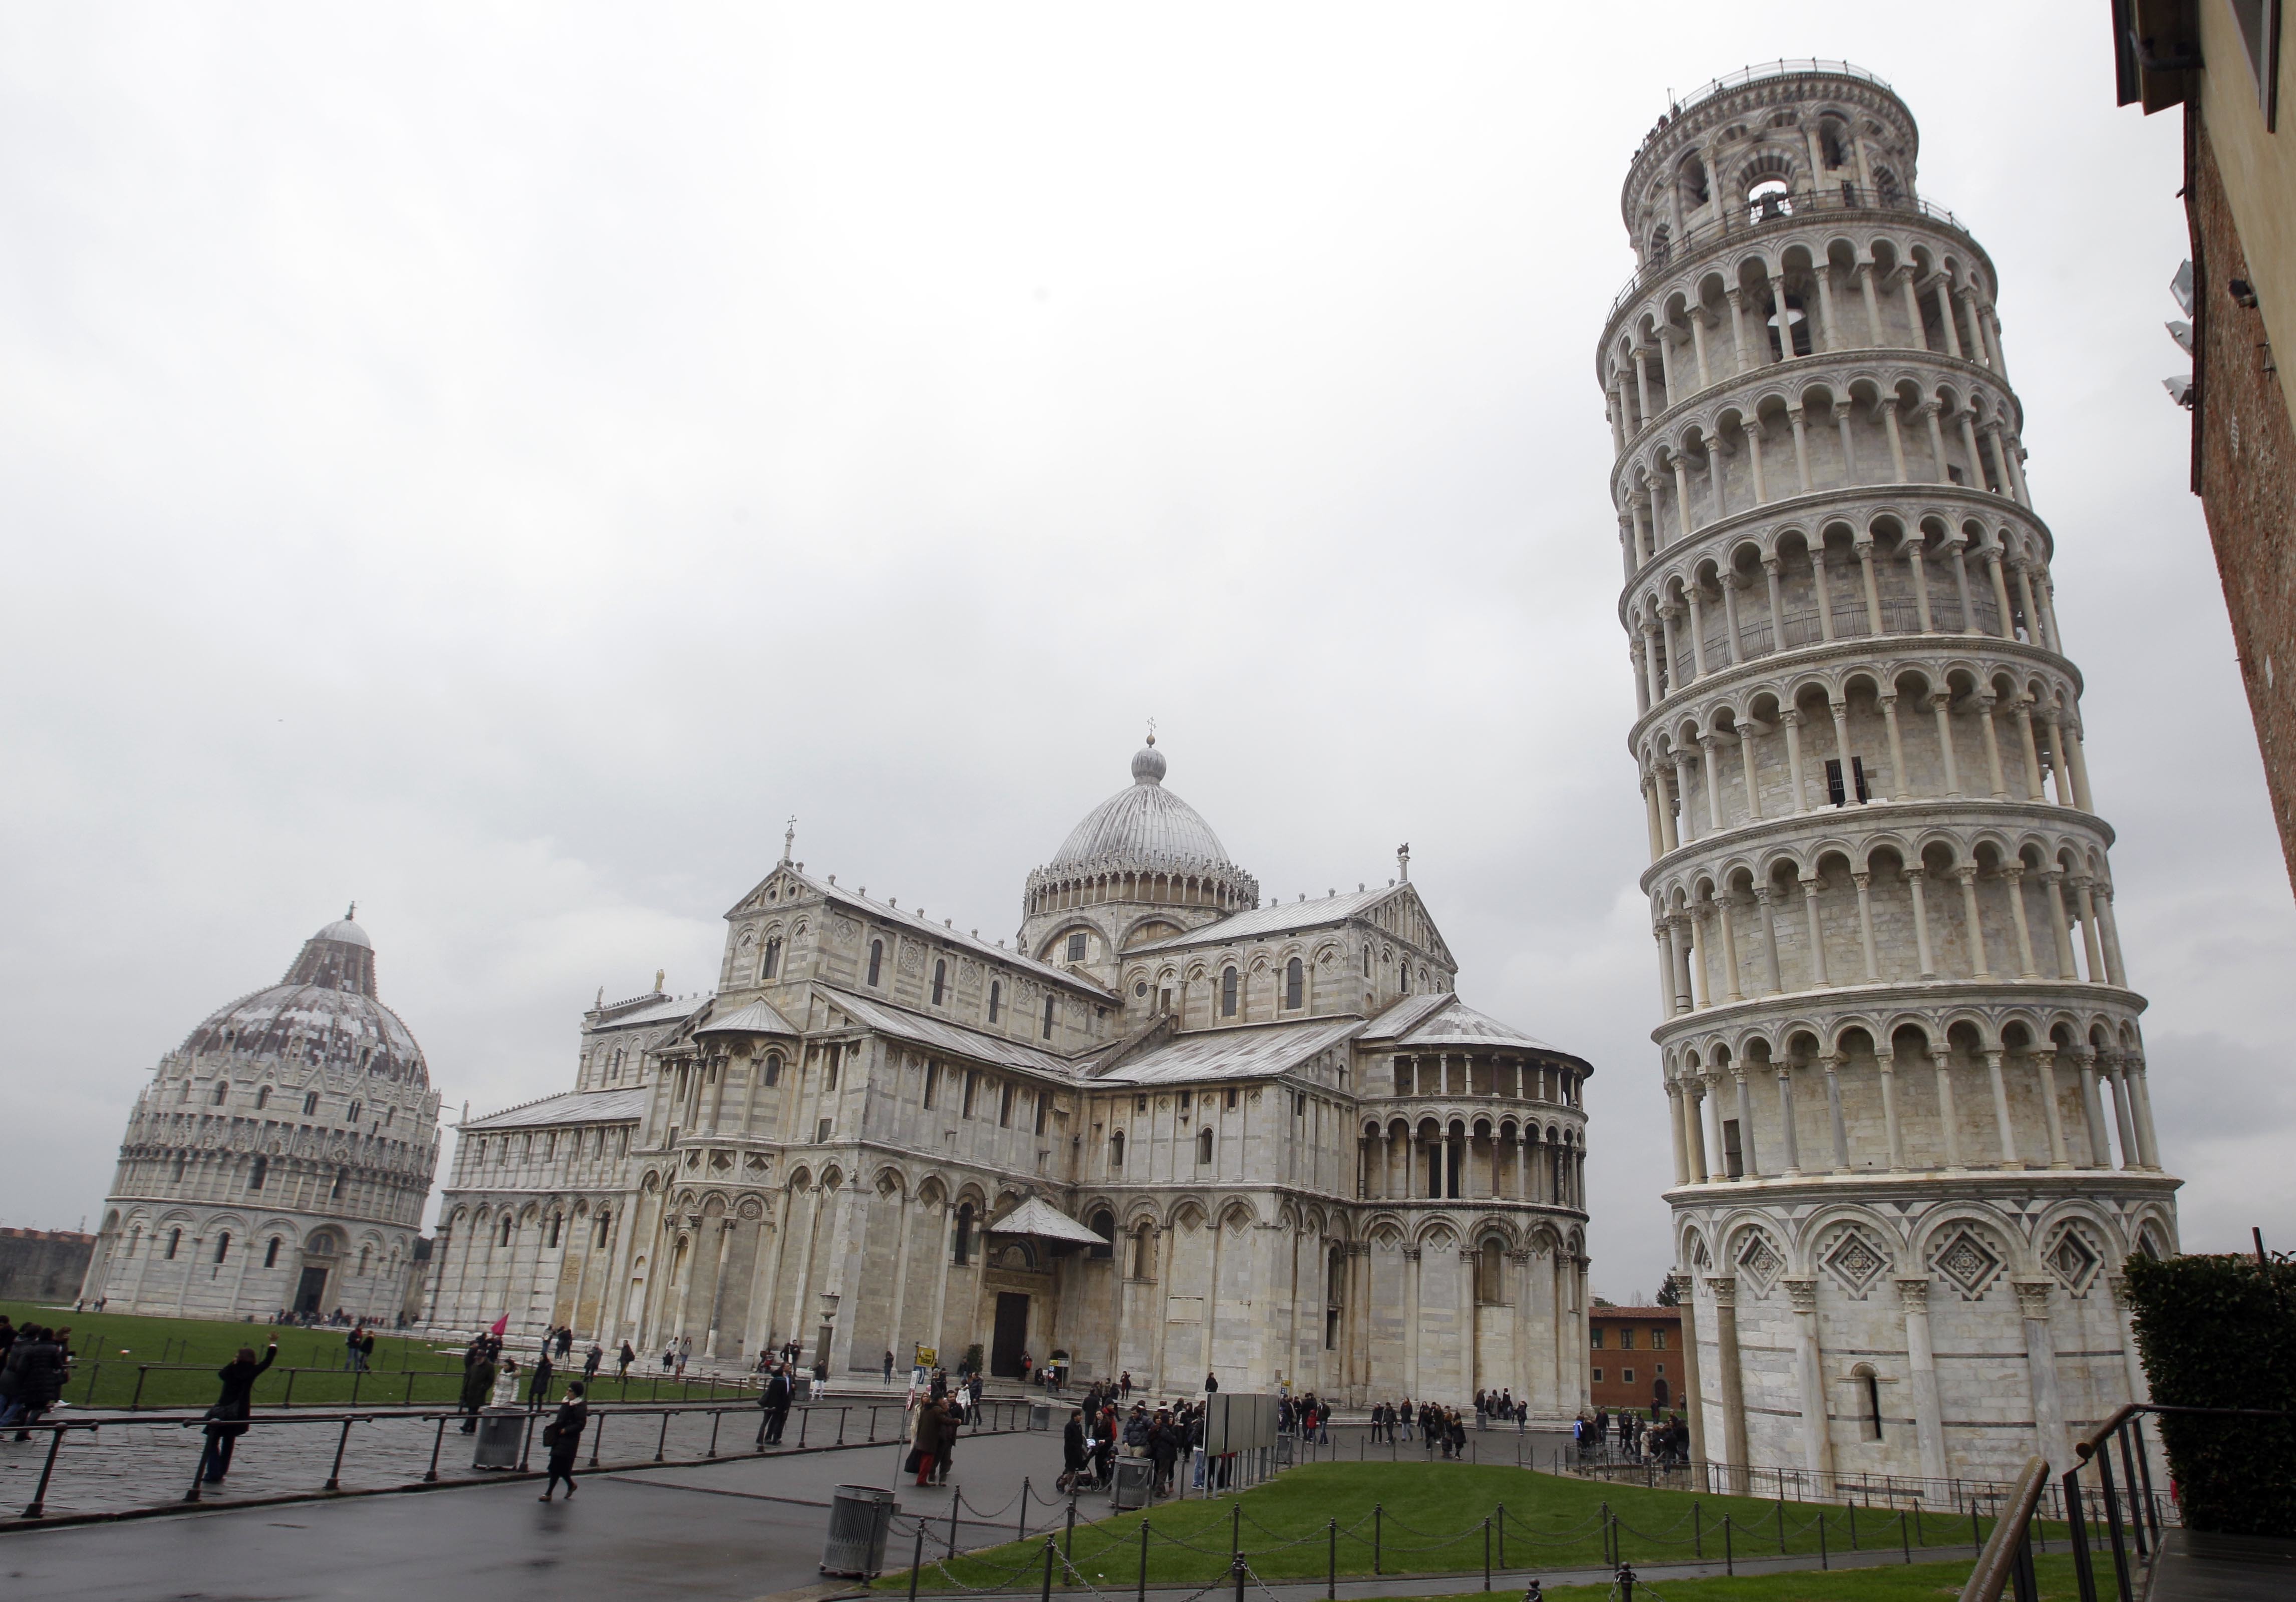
{"x":153,"y":1363}
{"x":1431,"y":1518}
{"x":1919,"y":1582}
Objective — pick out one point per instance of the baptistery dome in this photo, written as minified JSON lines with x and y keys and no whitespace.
{"x":279,"y":1159}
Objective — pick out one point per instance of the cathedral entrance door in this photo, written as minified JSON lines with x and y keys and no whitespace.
{"x":310,"y":1289}
{"x":1012,"y":1338}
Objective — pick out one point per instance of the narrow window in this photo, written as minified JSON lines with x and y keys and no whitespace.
{"x":821,"y":1132}
{"x":1203,"y":1146}
{"x":940,"y":982}
{"x":1043,"y":1109}
{"x":1834,"y":791}
{"x":1141,"y":1259}
{"x":1403,"y":980}
{"x":262,"y":1097}
{"x":1598,"y":1377}
{"x":1116,"y":1152}
{"x":876,"y":960}
{"x":223,"y":1245}
{"x":222,"y":1091}
{"x":1732,"y":1158}
{"x":1595,"y":1337}
{"x":1227,"y":993}
{"x":1490,"y":1286}
{"x":257,"y":1173}
{"x":1626,"y":1376}
{"x":1103,"y":1224}
{"x":1869,"y":1401}
{"x":964,"y":1247}
{"x":354,"y":1114}
{"x":1004,"y":1107}
{"x":971,"y":1085}
{"x":508,"y":1225}
{"x":995,"y":999}
{"x":552,"y":1238}
{"x":1076,"y":946}
{"x":1657,"y":1343}
{"x":175,"y":1239}
{"x":773,"y":1068}
{"x":772,"y":964}
{"x":179,"y":1169}
{"x":1232,"y":1095}
{"x":605,"y":1227}
{"x":932,"y":1083}
{"x":366,"y":1253}
{"x":271,"y":1252}
{"x":1627,"y":1339}
{"x":341,"y":1174}
{"x":310,"y":1103}
{"x":829,"y":1069}
{"x":1295,"y":983}
{"x":1050,"y":1003}
{"x":1140,"y":1103}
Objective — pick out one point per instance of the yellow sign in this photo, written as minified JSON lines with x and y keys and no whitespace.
{"x":927,"y":1356}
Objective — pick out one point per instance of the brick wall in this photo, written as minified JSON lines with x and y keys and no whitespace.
{"x":2244,"y":470}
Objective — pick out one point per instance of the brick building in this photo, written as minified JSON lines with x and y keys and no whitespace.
{"x":1634,"y":1357}
{"x":42,"y":1265}
{"x":2226,"y":65}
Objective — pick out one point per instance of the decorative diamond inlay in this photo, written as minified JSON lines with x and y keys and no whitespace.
{"x":1856,"y":1262}
{"x":1968,"y":1263}
{"x":2074,"y":1259}
{"x":1759,"y":1262}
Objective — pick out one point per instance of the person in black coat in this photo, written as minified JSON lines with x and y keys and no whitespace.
{"x":33,"y":1377}
{"x":774,"y":1401}
{"x":227,"y":1419}
{"x":537,"y":1389}
{"x":563,"y":1437}
{"x":1071,"y":1453}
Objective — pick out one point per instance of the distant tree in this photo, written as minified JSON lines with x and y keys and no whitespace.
{"x":1605,"y":1301}
{"x":1665,"y":1293}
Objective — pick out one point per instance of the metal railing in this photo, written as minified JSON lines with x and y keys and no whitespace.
{"x":991,"y":1417}
{"x":1783,"y":211}
{"x":1951,"y":1496}
{"x":2131,"y":1511}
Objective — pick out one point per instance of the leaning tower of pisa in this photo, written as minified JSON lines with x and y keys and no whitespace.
{"x":1912,"y":1139}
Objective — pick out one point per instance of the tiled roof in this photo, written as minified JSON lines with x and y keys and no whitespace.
{"x":757,"y":1018}
{"x":624,"y":1106}
{"x":949,"y":932}
{"x":955,"y":1038}
{"x":1258,"y":1051}
{"x":1277,"y":918}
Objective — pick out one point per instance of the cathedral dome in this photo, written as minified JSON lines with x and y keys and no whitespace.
{"x":325,"y":1011}
{"x":1144,"y":823}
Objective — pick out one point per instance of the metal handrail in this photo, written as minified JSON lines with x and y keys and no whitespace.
{"x":1803,"y":202}
{"x":2008,"y":1555}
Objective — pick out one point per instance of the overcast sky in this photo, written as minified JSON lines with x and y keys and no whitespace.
{"x":497,"y":462}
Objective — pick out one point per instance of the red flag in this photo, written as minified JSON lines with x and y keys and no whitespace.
{"x":501,"y":1325}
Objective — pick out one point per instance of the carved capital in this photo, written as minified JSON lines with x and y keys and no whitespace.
{"x":1803,"y":1293}
{"x":2033,"y":1297}
{"x":1724,"y":1287}
{"x":1914,"y":1293}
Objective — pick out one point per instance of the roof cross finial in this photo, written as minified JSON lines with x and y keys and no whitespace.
{"x":1152,"y":731}
{"x":788,"y":840}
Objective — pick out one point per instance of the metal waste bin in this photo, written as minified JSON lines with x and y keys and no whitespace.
{"x":800,"y":1387}
{"x":1040,"y":1415}
{"x":501,"y":1433}
{"x":1135,"y":1479}
{"x":860,"y":1517}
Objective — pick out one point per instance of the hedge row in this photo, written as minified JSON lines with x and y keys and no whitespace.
{"x":2220,"y":1332}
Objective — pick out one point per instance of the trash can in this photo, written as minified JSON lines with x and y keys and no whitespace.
{"x":800,"y":1386}
{"x":501,"y":1433}
{"x":1135,"y":1478}
{"x":860,"y":1517}
{"x":1040,"y":1415}
{"x":1283,"y":1448}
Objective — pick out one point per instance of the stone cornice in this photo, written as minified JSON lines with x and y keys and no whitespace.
{"x":1962,"y":812}
{"x":1930,"y":1184}
{"x":1926,"y":996}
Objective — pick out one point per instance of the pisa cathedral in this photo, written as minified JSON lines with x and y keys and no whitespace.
{"x":1913,"y":1142}
{"x":1176,"y":1128}
{"x":280,"y":1158}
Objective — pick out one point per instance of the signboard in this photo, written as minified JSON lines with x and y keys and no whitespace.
{"x":928,"y":1357}
{"x":1237,"y":1422}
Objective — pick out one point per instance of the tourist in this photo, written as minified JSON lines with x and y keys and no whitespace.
{"x":888,"y":1367}
{"x":685,"y":1353}
{"x":595,"y":1356}
{"x":951,"y":1425}
{"x":563,"y":1435}
{"x":34,"y":1377}
{"x":478,"y":1380}
{"x":774,"y":1401}
{"x":7,"y":1336}
{"x":1123,"y":1385}
{"x":668,"y":1355}
{"x":537,"y":1389}
{"x":352,"y":1348}
{"x":1211,"y":1385}
{"x":228,"y":1417}
{"x":1163,"y":1450}
{"x":505,"y":1392}
{"x":1455,"y":1441}
{"x":1072,"y":1453}
{"x":622,"y":1363}
{"x":565,"y":1344}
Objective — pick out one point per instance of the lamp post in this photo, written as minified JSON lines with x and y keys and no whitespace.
{"x":829,"y":1300}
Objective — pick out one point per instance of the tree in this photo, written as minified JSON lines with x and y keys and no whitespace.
{"x":1665,"y":1293}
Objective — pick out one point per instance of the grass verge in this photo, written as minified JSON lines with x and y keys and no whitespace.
{"x":1362,"y":1518}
